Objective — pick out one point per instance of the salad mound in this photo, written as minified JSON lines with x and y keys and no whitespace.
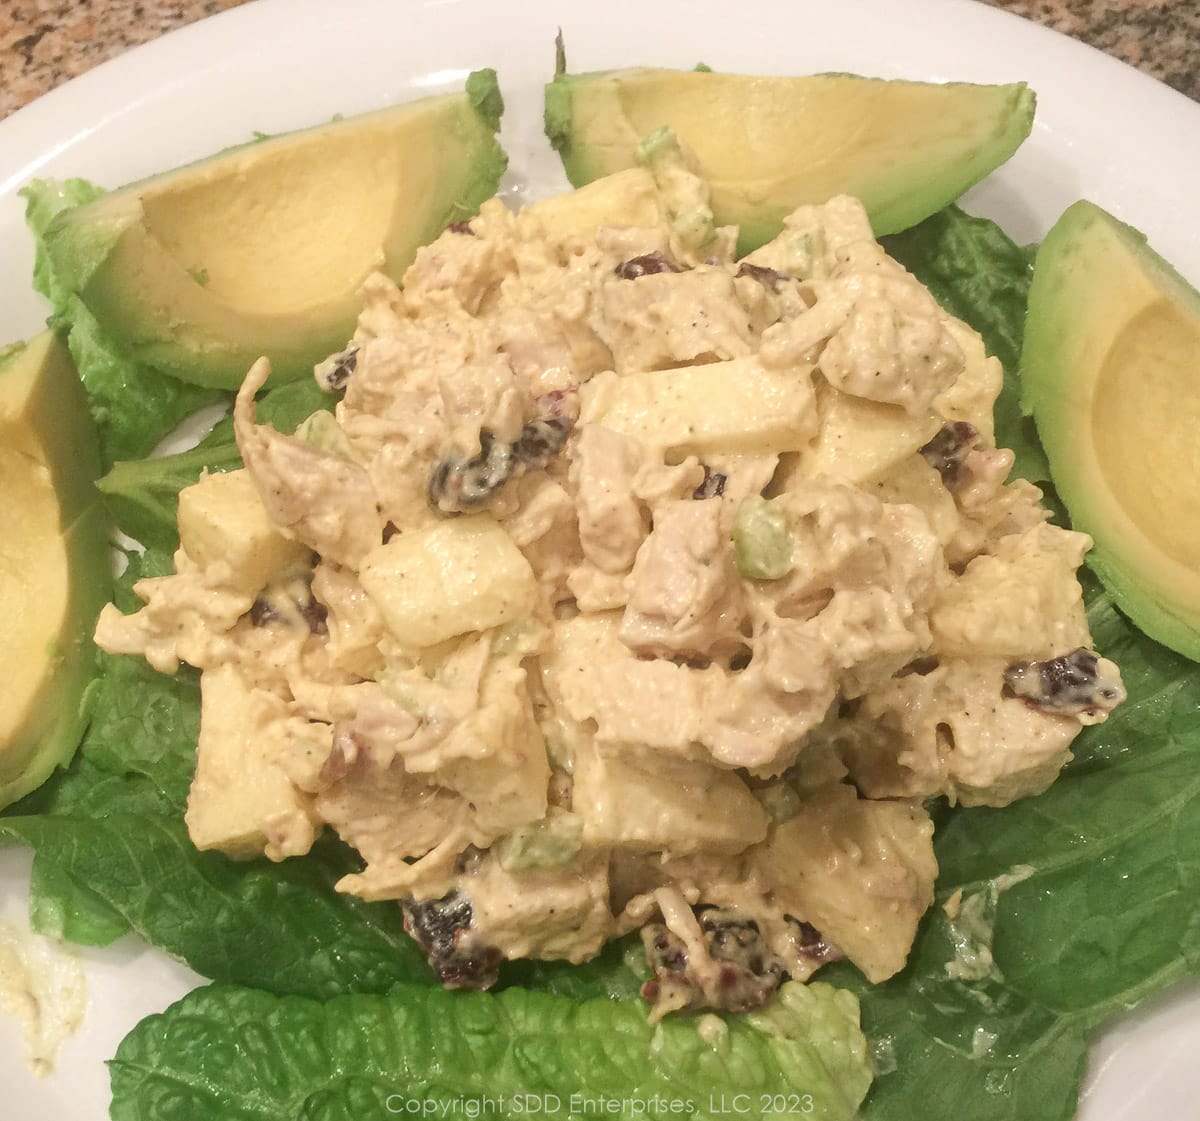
{"x":630,"y":586}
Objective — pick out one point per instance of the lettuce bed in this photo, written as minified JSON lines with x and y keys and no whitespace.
{"x":1083,"y":900}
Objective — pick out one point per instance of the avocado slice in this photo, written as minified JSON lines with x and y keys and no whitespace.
{"x":55,"y":568}
{"x":1111,"y":373}
{"x":262,"y":249}
{"x":768,"y":145}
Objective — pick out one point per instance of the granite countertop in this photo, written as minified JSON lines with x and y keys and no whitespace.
{"x":45,"y":42}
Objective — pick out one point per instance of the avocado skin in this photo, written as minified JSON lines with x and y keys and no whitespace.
{"x":1088,"y":260}
{"x":58,"y":412}
{"x":900,"y":192}
{"x":160,"y":310}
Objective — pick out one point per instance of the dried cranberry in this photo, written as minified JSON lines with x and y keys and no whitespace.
{"x":1065,"y":686}
{"x":746,"y":972}
{"x":665,"y":952}
{"x":541,"y":440}
{"x":768,"y":278}
{"x":946,"y":452}
{"x":646,"y":265}
{"x":262,"y":612}
{"x":316,"y":615}
{"x":811,"y":942}
{"x":559,"y":403}
{"x":713,"y":485}
{"x":457,"y":484}
{"x":333,"y":374}
{"x":442,"y":928}
{"x":750,"y":972}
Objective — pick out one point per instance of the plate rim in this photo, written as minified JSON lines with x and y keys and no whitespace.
{"x":135,"y":81}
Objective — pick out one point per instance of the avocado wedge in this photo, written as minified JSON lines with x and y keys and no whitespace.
{"x":1111,"y":373}
{"x":262,"y":249}
{"x":768,"y":145}
{"x":55,"y":569}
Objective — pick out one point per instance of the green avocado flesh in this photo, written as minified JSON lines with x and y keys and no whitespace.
{"x":55,"y":572}
{"x":262,"y":249}
{"x":1111,"y":373}
{"x":768,"y":145}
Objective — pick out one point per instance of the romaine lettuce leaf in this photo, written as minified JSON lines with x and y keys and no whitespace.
{"x":134,"y":407}
{"x":45,"y":199}
{"x":142,"y":494}
{"x":222,"y":1053}
{"x":113,"y":380}
{"x":63,"y":908}
{"x":280,"y":927}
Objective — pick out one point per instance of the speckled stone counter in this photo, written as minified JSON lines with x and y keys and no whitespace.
{"x":1161,"y":37}
{"x":45,"y":42}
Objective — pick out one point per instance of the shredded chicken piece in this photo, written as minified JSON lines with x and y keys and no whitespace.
{"x":319,"y":497}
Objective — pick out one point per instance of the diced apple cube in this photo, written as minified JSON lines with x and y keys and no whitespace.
{"x":736,"y":406}
{"x":496,"y":758}
{"x":676,"y":805}
{"x":860,"y":871}
{"x":591,"y":675}
{"x":627,"y":198}
{"x":222,"y":519}
{"x":542,"y":913}
{"x":241,"y":801}
{"x":1021,"y":601}
{"x":447,"y":579}
{"x":859,"y":439}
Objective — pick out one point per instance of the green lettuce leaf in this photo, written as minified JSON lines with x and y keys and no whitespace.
{"x":113,"y":379}
{"x":134,"y":407}
{"x":142,"y":494}
{"x":45,"y":199}
{"x":222,"y":1053}
{"x":63,"y":908}
{"x":278,"y":927}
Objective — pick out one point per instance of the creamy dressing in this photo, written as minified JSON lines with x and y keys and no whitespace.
{"x":41,"y":986}
{"x":972,"y":927}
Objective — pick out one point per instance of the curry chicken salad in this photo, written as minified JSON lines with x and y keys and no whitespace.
{"x":630,"y":586}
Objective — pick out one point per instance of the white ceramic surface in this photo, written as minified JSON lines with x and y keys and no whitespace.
{"x":1103,"y":131}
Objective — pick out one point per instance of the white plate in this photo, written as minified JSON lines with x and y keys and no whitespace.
{"x":1103,"y":131}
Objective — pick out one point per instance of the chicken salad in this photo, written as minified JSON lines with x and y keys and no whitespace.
{"x":631,"y":586}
